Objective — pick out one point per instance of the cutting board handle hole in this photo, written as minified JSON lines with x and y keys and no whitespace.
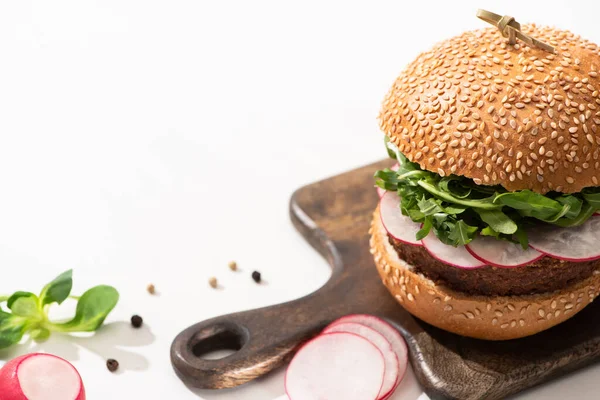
{"x":217,"y":342}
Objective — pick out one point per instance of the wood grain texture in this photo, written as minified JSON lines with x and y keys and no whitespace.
{"x":334,"y":216}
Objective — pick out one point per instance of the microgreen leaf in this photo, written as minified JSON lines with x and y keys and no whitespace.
{"x":17,"y":295}
{"x":25,"y":304}
{"x":12,"y":329}
{"x":29,"y":313}
{"x":58,"y":290}
{"x":39,"y":334}
{"x":92,"y":308}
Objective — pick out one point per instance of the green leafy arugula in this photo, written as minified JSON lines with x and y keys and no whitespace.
{"x":457,"y":209}
{"x":28,"y":312}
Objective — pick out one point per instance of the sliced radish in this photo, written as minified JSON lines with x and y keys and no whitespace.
{"x":456,"y":256}
{"x":392,"y":365}
{"x":576,"y":243}
{"x":501,"y":253}
{"x":399,"y":226}
{"x":387,"y":331}
{"x":333,"y":366}
{"x":40,"y":376}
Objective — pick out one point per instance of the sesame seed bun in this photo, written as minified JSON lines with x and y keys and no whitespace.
{"x":482,"y":317}
{"x":499,"y":114}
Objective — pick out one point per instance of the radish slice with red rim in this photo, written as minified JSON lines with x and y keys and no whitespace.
{"x":381,"y":191}
{"x":456,"y":256}
{"x":39,"y":376}
{"x":576,"y":243}
{"x":389,"y":332}
{"x":392,"y":367}
{"x":399,"y":226}
{"x":336,"y":365}
{"x":501,"y":253}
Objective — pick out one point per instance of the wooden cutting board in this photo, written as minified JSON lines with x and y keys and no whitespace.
{"x":334,"y":216}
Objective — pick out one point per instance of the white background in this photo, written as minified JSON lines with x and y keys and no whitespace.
{"x":155,"y":141}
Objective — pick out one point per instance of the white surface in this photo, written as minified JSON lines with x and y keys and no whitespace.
{"x":154,"y":141}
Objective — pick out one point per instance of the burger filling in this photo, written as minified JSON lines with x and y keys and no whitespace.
{"x":456,"y":209}
{"x":544,"y":275}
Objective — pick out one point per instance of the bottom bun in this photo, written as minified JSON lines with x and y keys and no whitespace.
{"x":481,"y":317}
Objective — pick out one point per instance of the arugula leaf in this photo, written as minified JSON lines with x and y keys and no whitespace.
{"x":426,"y":228}
{"x":442,"y":232}
{"x":462,"y":233}
{"x":530,"y":204}
{"x":563,"y":212}
{"x":521,"y":236}
{"x":486,"y":204}
{"x":390,"y":151}
{"x":454,"y":209}
{"x":586,"y":212}
{"x":58,"y":290}
{"x":487,"y":231}
{"x":574,"y":204}
{"x":429,"y":206}
{"x":452,"y":185}
{"x":92,"y":308}
{"x":498,"y":221}
{"x":440,"y":218}
{"x":415,"y":215}
{"x":592,"y":196}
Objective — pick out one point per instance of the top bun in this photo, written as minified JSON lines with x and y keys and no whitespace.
{"x":502,"y":114}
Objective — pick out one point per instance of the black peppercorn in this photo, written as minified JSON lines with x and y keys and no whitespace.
{"x":136,"y":321}
{"x":256,"y":276}
{"x":112,"y":364}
